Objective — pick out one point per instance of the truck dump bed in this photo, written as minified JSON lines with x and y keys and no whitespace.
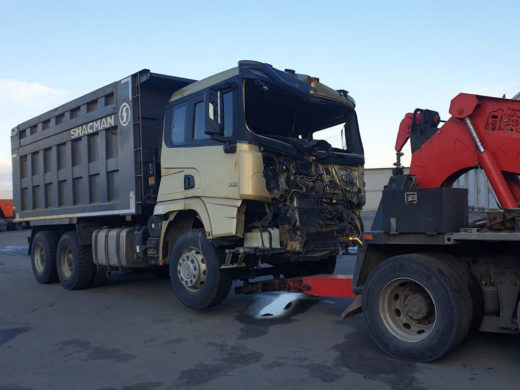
{"x":96,"y":155}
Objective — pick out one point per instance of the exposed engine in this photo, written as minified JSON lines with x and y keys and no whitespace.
{"x":312,"y":199}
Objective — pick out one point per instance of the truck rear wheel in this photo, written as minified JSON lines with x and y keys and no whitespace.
{"x":416,"y":307}
{"x":43,"y":255}
{"x":74,"y":262}
{"x":195,"y":274}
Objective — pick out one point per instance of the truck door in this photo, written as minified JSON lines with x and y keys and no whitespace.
{"x":192,"y":163}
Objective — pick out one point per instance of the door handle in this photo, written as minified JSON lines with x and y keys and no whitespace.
{"x":189,"y":182}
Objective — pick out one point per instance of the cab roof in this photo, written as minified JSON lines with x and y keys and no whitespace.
{"x":204,"y":83}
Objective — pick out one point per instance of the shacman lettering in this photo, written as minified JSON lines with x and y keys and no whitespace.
{"x":92,"y":127}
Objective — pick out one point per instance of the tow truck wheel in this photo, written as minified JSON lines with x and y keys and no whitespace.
{"x":416,"y":307}
{"x":475,"y":289}
{"x":74,"y":262}
{"x":195,"y":274}
{"x":43,"y":255}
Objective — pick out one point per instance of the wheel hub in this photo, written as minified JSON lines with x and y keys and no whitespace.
{"x":191,"y":269}
{"x":67,"y":265}
{"x":417,"y":306}
{"x":39,"y":258}
{"x":407,"y":309}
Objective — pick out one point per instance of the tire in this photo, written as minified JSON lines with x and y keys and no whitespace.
{"x":43,"y":255}
{"x":195,"y":274}
{"x":74,"y":262}
{"x":326,"y":266}
{"x":469,"y":279}
{"x":416,"y":307}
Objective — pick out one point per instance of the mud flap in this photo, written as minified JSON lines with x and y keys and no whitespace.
{"x":353,"y":309}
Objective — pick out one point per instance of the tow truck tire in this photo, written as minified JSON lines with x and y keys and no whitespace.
{"x":43,"y":255}
{"x":74,"y":262}
{"x":475,"y":289}
{"x":195,"y":274}
{"x":416,"y":307}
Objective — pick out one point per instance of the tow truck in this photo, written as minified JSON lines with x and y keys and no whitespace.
{"x":426,"y":276}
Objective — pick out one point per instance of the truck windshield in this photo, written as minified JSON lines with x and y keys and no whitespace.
{"x":277,"y":113}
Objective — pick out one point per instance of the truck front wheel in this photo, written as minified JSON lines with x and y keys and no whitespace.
{"x":74,"y":262}
{"x":43,"y":255}
{"x":416,"y":307}
{"x":195,"y":274}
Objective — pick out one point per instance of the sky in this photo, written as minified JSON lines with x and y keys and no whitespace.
{"x":392,"y":56}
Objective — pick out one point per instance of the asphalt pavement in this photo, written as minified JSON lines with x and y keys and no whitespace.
{"x":132,"y":334}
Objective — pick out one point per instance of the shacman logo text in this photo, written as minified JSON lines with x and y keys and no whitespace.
{"x":93,"y":127}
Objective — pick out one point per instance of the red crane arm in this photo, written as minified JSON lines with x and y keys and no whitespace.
{"x":454,"y":149}
{"x":405,"y":129}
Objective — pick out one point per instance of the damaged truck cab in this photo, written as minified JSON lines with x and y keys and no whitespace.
{"x":235,"y":183}
{"x":239,"y":152}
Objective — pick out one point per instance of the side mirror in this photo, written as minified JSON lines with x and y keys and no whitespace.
{"x":213,"y":118}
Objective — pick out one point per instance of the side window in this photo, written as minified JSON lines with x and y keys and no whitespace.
{"x":227,"y":100}
{"x":178,"y":130}
{"x":198,"y":122}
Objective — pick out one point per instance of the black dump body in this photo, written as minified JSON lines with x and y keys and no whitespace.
{"x":97,"y":155}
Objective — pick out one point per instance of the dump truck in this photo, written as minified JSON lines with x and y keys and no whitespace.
{"x":214,"y":180}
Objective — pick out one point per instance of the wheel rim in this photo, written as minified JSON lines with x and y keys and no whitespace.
{"x":39,"y":258}
{"x":66,"y":262}
{"x":191,"y":269}
{"x":407,"y":309}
